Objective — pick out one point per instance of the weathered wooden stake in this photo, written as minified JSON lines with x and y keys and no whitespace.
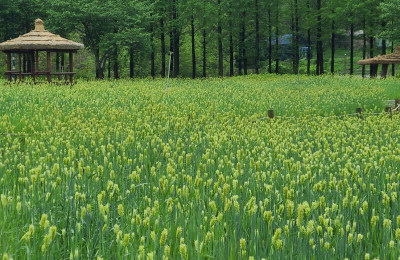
{"x":359,"y":111}
{"x":271,"y":113}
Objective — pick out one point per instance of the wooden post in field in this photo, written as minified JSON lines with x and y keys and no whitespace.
{"x":359,"y":111}
{"x":271,"y":113}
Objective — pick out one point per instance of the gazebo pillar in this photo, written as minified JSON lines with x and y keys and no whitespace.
{"x":71,"y":66}
{"x":19,"y":67}
{"x":384,"y":70}
{"x":33,"y":65}
{"x":48,"y":67}
{"x":373,"y":70}
{"x":9,"y":66}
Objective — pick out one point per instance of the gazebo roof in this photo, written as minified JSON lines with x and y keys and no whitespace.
{"x":40,"y":39}
{"x":392,"y":58}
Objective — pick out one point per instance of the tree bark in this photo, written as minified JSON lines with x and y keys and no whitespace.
{"x":320,"y":51}
{"x":162,"y":40}
{"x":277,"y":39}
{"x":257,"y":45}
{"x":296,"y":57}
{"x":131,"y":63}
{"x":116,"y":66}
{"x":220,"y":55}
{"x":371,"y":47}
{"x":204,"y":53}
{"x":99,"y":69}
{"x":269,"y":41}
{"x":152,"y":55}
{"x":333,"y":47}
{"x":193,"y":48}
{"x":176,"y":36}
{"x":351,"y":48}
{"x":364,"y":49}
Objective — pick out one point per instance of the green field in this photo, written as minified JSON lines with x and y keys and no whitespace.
{"x":126,"y":169}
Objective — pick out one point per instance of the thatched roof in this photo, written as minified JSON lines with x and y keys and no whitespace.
{"x":40,"y":39}
{"x":392,"y":58}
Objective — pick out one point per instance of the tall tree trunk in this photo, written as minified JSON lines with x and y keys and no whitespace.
{"x":308,"y":44}
{"x":269,"y":41}
{"x":131,"y":63}
{"x":176,"y":36}
{"x":393,"y":72}
{"x":296,"y":57}
{"x":277,"y":38}
{"x":364,"y":49}
{"x":333,"y":46}
{"x":162,"y":39}
{"x":371,"y":47}
{"x":152,"y":55}
{"x":204,"y":53}
{"x":351,"y":48}
{"x":115,"y":59}
{"x":109,"y":68}
{"x":219,"y":29}
{"x":320,"y":54}
{"x":99,"y":69}
{"x":257,"y":56}
{"x":240,"y":56}
{"x":231,"y":58}
{"x":171,"y":49}
{"x":193,"y":48}
{"x":383,"y":40}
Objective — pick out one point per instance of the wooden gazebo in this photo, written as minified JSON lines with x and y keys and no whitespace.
{"x":31,"y":44}
{"x":385,"y":60}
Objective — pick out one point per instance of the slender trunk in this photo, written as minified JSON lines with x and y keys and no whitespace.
{"x":171,"y":49}
{"x":364,"y":49}
{"x":383,"y":40}
{"x":240,"y":58}
{"x":193,"y":48}
{"x":99,"y":69}
{"x":269,"y":41}
{"x":152,"y":55}
{"x":115,"y":69}
{"x":320,"y":57}
{"x":162,"y":39}
{"x":131,"y":63}
{"x":204,"y":53}
{"x":371,"y":47}
{"x":333,"y":47}
{"x":393,"y":72}
{"x":257,"y":57}
{"x":220,"y":57}
{"x":231,"y":60}
{"x":277,"y":39}
{"x":109,"y":68}
{"x":351,"y":49}
{"x":296,"y":57}
{"x":176,"y":36}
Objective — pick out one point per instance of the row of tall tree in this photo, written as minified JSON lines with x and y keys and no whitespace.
{"x":211,"y":37}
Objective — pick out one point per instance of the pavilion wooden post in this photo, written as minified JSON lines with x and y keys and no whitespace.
{"x":9,"y":66}
{"x":373,"y":70}
{"x":33,"y":65}
{"x":384,"y":70}
{"x":48,"y":67}
{"x":37,"y":60}
{"x":19,"y":67}
{"x":71,"y":66}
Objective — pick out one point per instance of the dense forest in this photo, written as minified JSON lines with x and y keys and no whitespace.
{"x":129,"y":38}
